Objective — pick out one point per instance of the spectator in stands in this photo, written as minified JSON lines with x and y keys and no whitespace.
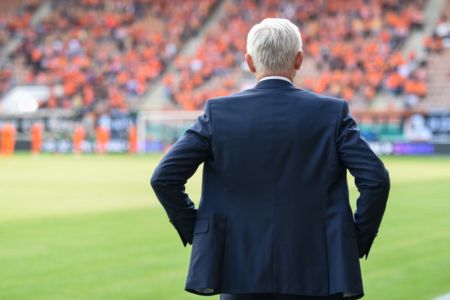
{"x":440,"y":38}
{"x":442,"y":30}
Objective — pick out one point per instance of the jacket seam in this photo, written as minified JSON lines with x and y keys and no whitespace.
{"x":338,"y":121}
{"x":327,"y":244}
{"x":210,"y":116}
{"x":208,"y":107}
{"x":326,"y":204}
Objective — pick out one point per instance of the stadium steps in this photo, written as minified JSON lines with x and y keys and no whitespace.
{"x":432,"y":12}
{"x":438,"y":87}
{"x":438,"y":71}
{"x":157,"y":98}
{"x":414,"y":43}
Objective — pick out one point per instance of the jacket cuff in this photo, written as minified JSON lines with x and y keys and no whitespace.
{"x":185,"y":228}
{"x":183,"y":239}
{"x":367,"y":246}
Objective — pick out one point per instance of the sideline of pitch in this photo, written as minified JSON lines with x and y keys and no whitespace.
{"x":443,"y":297}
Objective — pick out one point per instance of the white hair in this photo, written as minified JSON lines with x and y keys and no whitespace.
{"x":273,"y":45}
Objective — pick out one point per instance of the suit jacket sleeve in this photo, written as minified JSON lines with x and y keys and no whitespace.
{"x":177,"y":166}
{"x":371,"y":179}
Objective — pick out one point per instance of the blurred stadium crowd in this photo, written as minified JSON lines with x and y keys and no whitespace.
{"x":100,"y":52}
{"x":97,"y":58}
{"x":354,"y":45}
{"x":100,"y":55}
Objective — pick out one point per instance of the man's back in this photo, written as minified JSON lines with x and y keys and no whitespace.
{"x":274,"y":215}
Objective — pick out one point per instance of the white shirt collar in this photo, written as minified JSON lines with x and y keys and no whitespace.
{"x":275,"y":77}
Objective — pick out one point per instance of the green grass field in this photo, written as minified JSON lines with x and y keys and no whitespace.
{"x":90,"y":228}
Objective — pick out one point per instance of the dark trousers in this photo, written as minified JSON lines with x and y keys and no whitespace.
{"x":277,"y":297}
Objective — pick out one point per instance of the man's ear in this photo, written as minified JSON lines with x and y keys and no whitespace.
{"x":249,"y":60}
{"x":298,"y":60}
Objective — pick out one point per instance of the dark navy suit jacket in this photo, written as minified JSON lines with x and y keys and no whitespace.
{"x":274,"y":214}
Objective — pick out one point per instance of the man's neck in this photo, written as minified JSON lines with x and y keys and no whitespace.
{"x":285,"y":75}
{"x":275,"y":77}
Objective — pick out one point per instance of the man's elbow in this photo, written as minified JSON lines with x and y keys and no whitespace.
{"x":155,"y":180}
{"x":385,"y":181}
{"x":379,"y":181}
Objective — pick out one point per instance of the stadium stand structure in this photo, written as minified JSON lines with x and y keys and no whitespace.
{"x":99,"y":55}
{"x":438,"y":64}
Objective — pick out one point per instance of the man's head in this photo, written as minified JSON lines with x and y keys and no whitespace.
{"x":274,"y":47}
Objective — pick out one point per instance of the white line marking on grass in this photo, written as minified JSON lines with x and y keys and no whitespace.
{"x":443,"y":297}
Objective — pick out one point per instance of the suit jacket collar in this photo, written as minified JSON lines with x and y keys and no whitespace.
{"x":273,"y":84}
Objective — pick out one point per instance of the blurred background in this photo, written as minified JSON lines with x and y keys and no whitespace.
{"x":93,"y":92}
